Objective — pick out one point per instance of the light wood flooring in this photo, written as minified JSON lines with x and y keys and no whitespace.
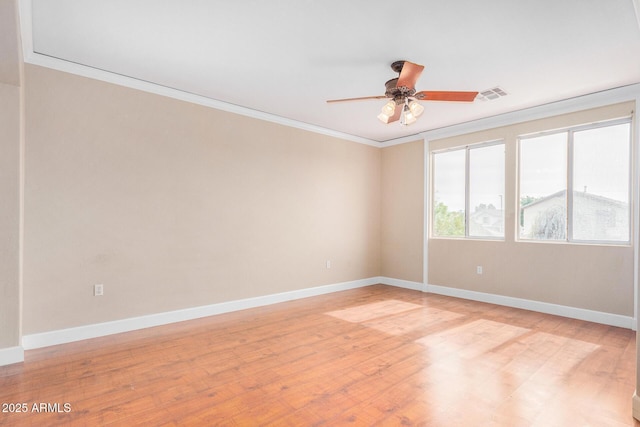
{"x":371,"y":356}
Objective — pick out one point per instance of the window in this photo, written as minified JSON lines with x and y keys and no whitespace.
{"x":486,"y":191}
{"x":575,"y":184}
{"x":543,"y":187}
{"x":449,"y":184}
{"x":469,"y":180}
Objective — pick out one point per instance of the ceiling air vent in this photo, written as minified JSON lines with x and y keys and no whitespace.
{"x":491,"y":94}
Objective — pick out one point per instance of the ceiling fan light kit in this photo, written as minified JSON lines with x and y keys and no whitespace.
{"x":384,"y":118}
{"x":416,"y":108}
{"x":389,"y":108}
{"x":403,"y":104}
{"x":407,"y":116}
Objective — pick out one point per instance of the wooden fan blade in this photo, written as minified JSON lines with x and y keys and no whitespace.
{"x":409,"y":75}
{"x":437,"y":95}
{"x":357,"y":99}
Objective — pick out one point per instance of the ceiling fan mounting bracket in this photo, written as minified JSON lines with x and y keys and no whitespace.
{"x":397,"y":66}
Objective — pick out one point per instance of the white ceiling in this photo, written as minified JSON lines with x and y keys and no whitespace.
{"x":287,"y":57}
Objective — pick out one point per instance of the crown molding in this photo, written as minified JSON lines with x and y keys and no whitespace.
{"x":125,"y":81}
{"x":31,"y":57}
{"x":565,"y":106}
{"x":625,"y":93}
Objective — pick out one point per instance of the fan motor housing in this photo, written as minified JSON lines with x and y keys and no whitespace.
{"x":398,"y":94}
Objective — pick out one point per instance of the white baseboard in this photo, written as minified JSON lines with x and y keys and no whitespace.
{"x":63,"y":336}
{"x":542,"y":307}
{"x":11,"y":355}
{"x":416,"y":286}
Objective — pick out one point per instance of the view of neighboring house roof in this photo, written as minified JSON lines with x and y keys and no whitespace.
{"x":582,"y":194}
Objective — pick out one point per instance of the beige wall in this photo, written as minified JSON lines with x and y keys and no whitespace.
{"x":403,"y":211}
{"x":592,"y":277}
{"x":173,"y":205}
{"x":9,"y":215}
{"x":10,"y":111}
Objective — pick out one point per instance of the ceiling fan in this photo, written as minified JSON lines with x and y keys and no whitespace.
{"x":401,"y":91}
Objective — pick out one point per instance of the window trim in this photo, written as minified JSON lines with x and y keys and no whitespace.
{"x":467,"y":148}
{"x":571,"y":130}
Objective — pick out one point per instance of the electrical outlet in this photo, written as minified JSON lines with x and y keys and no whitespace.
{"x":328,"y":263}
{"x":98,"y":290}
{"x":479,"y":269}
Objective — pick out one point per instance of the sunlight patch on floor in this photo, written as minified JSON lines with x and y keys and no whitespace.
{"x":363,"y":313}
{"x":472,"y":339}
{"x":413,"y":320}
{"x":522,"y":371}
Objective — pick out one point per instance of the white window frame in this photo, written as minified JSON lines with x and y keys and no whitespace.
{"x":569,"y":179}
{"x":467,"y":149}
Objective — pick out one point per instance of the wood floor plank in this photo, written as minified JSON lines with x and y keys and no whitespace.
{"x":371,"y":356}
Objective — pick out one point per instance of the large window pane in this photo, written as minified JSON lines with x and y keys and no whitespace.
{"x":543,"y":187}
{"x":449,"y":197}
{"x":486,"y":191}
{"x":601,"y":183}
